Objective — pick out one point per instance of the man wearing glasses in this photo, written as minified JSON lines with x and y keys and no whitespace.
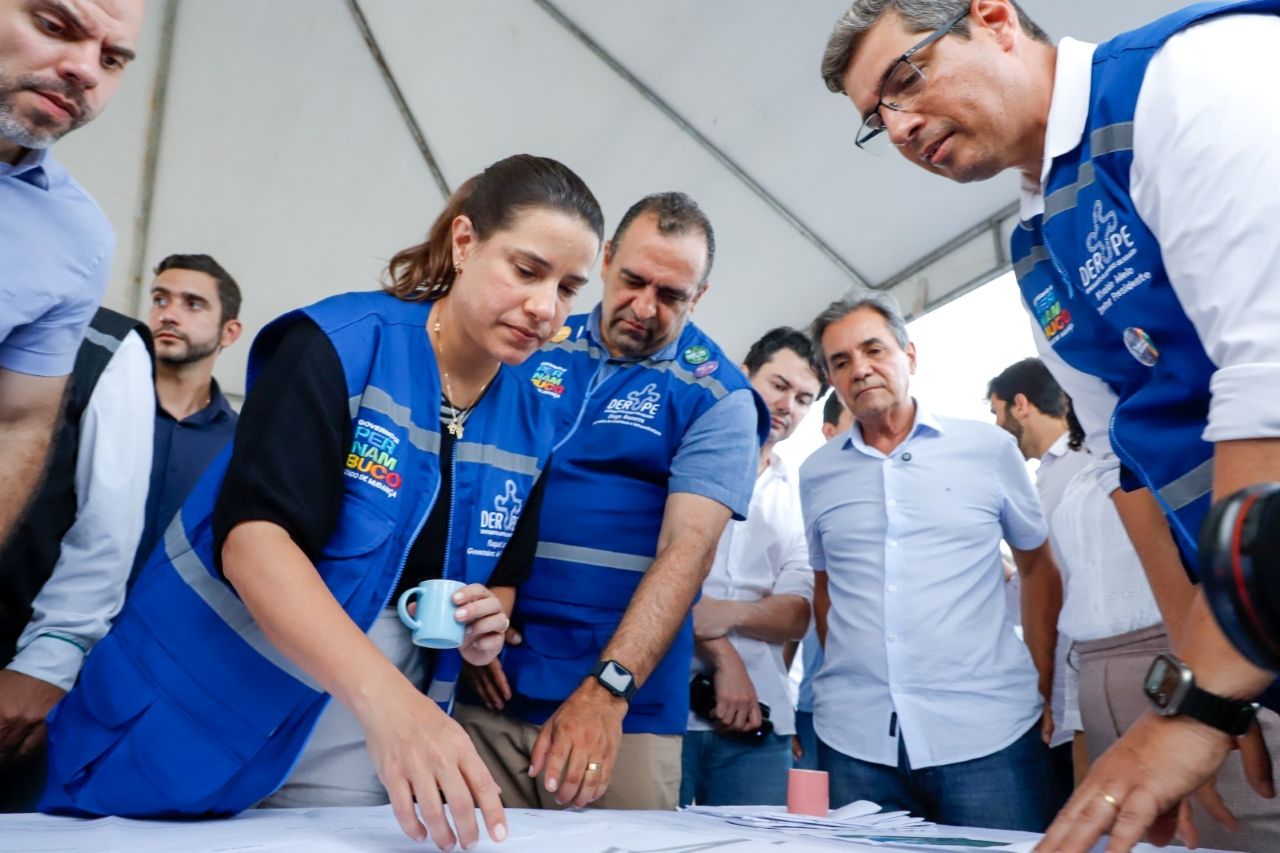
{"x":1146,"y":256}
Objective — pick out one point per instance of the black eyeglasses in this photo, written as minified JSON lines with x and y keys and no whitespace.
{"x":902,"y":85}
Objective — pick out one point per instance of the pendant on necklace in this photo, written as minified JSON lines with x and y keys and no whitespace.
{"x":455,"y":429}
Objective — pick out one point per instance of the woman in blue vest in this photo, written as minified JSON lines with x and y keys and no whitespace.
{"x":383,"y":441}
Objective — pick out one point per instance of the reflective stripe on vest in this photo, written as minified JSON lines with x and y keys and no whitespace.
{"x":1190,"y":487}
{"x":222,"y":601}
{"x":594,"y":557}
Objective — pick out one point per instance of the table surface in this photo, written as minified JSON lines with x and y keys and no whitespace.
{"x":345,"y":830}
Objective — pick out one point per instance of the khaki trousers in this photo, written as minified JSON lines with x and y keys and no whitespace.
{"x":1111,"y":700}
{"x":646,"y":774}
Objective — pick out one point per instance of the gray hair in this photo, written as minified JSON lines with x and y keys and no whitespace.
{"x":877,"y":300}
{"x":919,"y":16}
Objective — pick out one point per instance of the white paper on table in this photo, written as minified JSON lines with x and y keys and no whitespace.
{"x":348,"y":830}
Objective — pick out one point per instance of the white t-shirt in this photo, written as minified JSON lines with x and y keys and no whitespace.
{"x":762,"y":556}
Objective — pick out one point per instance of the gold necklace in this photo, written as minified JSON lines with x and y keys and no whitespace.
{"x":457,"y":419}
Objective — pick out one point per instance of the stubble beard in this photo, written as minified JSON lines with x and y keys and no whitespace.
{"x":39,"y":132}
{"x":193,"y":353}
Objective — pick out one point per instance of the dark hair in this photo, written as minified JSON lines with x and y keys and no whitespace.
{"x":832,"y":409}
{"x":785,"y":337}
{"x":1033,"y":380}
{"x":1075,"y":432}
{"x":918,"y":16}
{"x":228,"y":290}
{"x":677,"y":214}
{"x":491,"y":201}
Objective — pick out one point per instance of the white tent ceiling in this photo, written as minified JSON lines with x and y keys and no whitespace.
{"x":302,"y":142}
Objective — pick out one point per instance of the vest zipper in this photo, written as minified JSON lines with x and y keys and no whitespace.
{"x":453,"y":491}
{"x":404,"y":558}
{"x":1057,"y":264}
{"x":591,"y":389}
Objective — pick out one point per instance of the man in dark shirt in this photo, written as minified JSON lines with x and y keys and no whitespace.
{"x":194,"y":309}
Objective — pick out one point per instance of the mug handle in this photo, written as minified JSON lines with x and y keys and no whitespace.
{"x":402,"y":610}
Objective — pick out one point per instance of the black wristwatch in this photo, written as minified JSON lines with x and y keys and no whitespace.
{"x":615,"y":678}
{"x":1172,"y":689}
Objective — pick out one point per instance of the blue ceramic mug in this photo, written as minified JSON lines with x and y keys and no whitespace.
{"x":433,"y":624}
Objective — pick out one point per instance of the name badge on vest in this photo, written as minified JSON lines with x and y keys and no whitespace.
{"x":1140,"y":346}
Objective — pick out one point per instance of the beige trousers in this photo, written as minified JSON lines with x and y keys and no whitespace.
{"x":1111,"y":700}
{"x":646,"y":774}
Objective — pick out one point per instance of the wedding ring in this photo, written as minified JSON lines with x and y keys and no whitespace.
{"x":591,"y":765}
{"x":1111,"y":801}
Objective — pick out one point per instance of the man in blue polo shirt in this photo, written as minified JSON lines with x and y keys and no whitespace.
{"x":660,"y":448}
{"x":59,"y":65}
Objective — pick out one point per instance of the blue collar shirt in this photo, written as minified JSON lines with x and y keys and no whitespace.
{"x":183,"y":449}
{"x":920,"y":644}
{"x":55,"y":258}
{"x":614,"y":363}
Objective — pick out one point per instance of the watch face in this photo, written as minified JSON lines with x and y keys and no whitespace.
{"x":615,"y":678}
{"x":1158,"y":690}
{"x":1166,"y":683}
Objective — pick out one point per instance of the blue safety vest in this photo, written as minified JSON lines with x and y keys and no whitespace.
{"x":185,"y":708}
{"x":1092,"y":274}
{"x":602,"y":511}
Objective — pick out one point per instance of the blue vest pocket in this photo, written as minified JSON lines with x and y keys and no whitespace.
{"x":98,"y":713}
{"x":119,"y":747}
{"x":165,"y":764}
{"x":361,"y":528}
{"x":552,"y":660}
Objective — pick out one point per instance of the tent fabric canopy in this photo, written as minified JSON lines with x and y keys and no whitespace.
{"x":303,"y":142}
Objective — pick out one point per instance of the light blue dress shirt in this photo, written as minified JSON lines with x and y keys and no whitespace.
{"x":55,"y":257}
{"x":919,"y":641}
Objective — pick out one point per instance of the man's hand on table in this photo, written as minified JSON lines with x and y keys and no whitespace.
{"x":1140,"y":782}
{"x":585,"y":731}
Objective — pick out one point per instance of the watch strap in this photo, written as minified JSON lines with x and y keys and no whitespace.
{"x":626,"y":693}
{"x":1231,"y":716}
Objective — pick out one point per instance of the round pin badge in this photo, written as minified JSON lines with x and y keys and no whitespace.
{"x":1140,"y":346}
{"x":697,"y":354}
{"x":706,"y":369}
{"x":561,"y":335}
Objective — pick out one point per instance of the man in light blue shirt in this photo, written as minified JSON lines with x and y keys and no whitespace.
{"x":59,"y":65}
{"x":927,"y":700}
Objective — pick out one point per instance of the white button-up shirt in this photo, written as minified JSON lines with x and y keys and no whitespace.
{"x":919,"y":640}
{"x":762,"y":556}
{"x":1058,"y":465}
{"x":1204,"y":155}
{"x":74,"y":608}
